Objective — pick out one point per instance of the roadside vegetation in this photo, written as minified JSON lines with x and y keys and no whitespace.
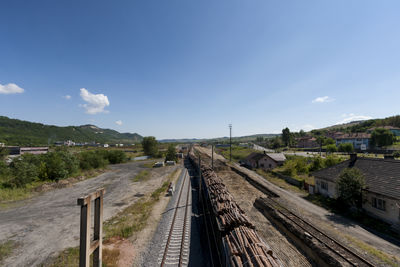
{"x":238,"y":152}
{"x":6,"y":249}
{"x":27,"y":172}
{"x":141,"y":176}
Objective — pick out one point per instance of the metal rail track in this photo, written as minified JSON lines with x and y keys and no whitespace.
{"x":176,"y":249}
{"x":351,"y":257}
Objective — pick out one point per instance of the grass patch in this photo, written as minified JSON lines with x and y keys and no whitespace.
{"x":391,"y":260}
{"x":142,"y":176}
{"x":238,"y":152}
{"x":133,"y":219}
{"x":280,"y":182}
{"x":149,"y":164}
{"x":6,"y":249}
{"x":68,"y":257}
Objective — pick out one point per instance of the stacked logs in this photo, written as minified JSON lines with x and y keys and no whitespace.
{"x":241,"y":243}
{"x":245,"y":248}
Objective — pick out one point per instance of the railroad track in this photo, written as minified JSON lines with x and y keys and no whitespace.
{"x":336,"y":247}
{"x":176,"y":248}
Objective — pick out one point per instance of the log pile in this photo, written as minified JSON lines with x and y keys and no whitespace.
{"x":241,"y":243}
{"x":244,"y":247}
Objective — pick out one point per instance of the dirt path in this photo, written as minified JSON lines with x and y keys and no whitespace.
{"x":49,"y":223}
{"x":245,"y":195}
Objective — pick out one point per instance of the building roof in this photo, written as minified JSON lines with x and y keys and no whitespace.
{"x":278,"y":157}
{"x":354,"y":135}
{"x":254,"y":156}
{"x":382,"y":176}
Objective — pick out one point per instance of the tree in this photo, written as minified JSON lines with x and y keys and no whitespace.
{"x":150,"y":146}
{"x":171,"y":154}
{"x":302,"y":133}
{"x":346,"y":147}
{"x":381,"y":137}
{"x":286,"y":136}
{"x":331,"y":148}
{"x":329,"y":141}
{"x":349,"y":186}
{"x":276,"y":143}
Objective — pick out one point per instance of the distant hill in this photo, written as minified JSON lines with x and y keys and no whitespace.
{"x":18,"y":132}
{"x":247,"y":138}
{"x":362,"y":126}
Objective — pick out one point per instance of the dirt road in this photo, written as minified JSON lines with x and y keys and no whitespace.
{"x":49,"y":223}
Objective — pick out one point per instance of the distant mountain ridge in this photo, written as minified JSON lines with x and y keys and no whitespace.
{"x":19,"y":132}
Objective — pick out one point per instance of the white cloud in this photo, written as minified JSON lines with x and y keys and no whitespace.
{"x":95,"y":102}
{"x":68,"y":97}
{"x":119,"y":122}
{"x":10,"y":88}
{"x":323,"y":99}
{"x":353,"y":117}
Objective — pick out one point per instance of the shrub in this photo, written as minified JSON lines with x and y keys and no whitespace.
{"x":349,"y":186}
{"x":55,"y":167}
{"x":331,"y":160}
{"x":316,"y":164}
{"x":23,"y":173}
{"x":91,"y":159}
{"x":331,"y":148}
{"x":115,"y":156}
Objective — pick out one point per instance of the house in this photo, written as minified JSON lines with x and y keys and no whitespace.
{"x":307,"y":142}
{"x":271,"y":160}
{"x":394,"y":130}
{"x":264,"y":160}
{"x":359,"y":140}
{"x":381,"y":196}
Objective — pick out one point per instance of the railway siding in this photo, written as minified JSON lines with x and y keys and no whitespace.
{"x":323,"y":249}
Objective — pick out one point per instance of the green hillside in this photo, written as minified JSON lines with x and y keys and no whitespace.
{"x":18,"y":132}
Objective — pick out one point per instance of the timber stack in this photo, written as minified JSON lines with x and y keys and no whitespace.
{"x":240,"y":243}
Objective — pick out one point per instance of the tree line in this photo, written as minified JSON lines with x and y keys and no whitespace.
{"x":54,"y":166}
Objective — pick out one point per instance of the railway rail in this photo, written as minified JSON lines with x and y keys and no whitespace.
{"x":176,"y":249}
{"x":349,"y":256}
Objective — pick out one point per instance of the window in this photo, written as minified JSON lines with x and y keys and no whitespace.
{"x":324,"y":185}
{"x":378,"y":203}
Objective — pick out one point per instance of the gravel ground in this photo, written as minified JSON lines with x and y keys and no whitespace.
{"x":197,"y":254}
{"x":49,"y":223}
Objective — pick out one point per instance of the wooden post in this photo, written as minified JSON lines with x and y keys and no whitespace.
{"x":87,"y":247}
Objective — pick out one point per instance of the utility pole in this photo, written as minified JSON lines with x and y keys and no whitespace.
{"x":230,"y":142}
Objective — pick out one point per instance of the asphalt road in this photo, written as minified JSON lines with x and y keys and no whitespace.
{"x":49,"y":223}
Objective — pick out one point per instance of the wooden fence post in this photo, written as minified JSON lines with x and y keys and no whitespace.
{"x":86,"y":247}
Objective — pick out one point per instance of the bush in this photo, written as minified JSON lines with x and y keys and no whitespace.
{"x":115,"y":156}
{"x":91,"y":159}
{"x":331,"y":148}
{"x":54,"y":168}
{"x":349,"y":186}
{"x":23,"y":173}
{"x":331,"y":160}
{"x":346,"y":147}
{"x":316,"y":164}
{"x":171,"y":154}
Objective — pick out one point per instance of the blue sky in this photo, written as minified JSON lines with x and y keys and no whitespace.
{"x":176,"y":69}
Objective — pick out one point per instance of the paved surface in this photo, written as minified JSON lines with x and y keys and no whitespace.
{"x":49,"y":223}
